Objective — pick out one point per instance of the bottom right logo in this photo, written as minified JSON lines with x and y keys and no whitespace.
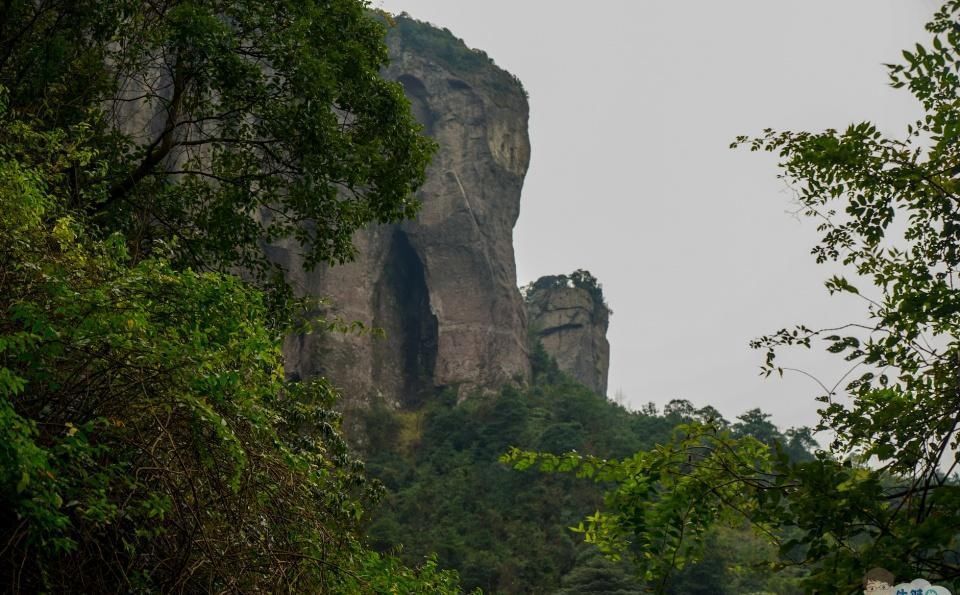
{"x":879,"y":581}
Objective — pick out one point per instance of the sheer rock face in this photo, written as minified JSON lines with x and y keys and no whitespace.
{"x":572,"y":325}
{"x":443,"y":287}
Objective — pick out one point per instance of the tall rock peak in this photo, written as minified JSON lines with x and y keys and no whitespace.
{"x":443,"y":287}
{"x":568,"y":315}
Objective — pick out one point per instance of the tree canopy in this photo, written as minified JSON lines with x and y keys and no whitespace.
{"x":580,"y":279}
{"x":884,"y":493}
{"x":148,"y":439}
{"x":507,"y":532}
{"x":218,"y":124}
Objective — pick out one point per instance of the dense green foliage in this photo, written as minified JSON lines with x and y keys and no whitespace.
{"x":148,"y":439}
{"x":580,"y":278}
{"x":219,"y":123}
{"x":507,"y":532}
{"x":448,"y":494}
{"x":885,"y":494}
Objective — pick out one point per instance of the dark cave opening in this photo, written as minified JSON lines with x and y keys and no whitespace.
{"x":411,"y":327}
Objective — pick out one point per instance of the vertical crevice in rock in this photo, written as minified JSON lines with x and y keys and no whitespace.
{"x":407,"y":355}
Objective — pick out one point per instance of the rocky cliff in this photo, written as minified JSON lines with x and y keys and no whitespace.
{"x":570,"y":318}
{"x":442,"y":287}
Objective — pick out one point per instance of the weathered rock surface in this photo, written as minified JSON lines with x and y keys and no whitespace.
{"x":571,"y":323}
{"x":442,"y":287}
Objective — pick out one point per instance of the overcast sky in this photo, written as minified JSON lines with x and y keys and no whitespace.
{"x":633,"y":105}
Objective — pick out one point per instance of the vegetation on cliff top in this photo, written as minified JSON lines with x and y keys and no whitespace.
{"x":580,"y":279}
{"x":446,"y":48}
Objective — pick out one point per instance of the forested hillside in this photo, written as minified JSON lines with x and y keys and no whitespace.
{"x":507,"y":532}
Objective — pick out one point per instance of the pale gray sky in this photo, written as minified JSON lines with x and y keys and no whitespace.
{"x":633,"y":105}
